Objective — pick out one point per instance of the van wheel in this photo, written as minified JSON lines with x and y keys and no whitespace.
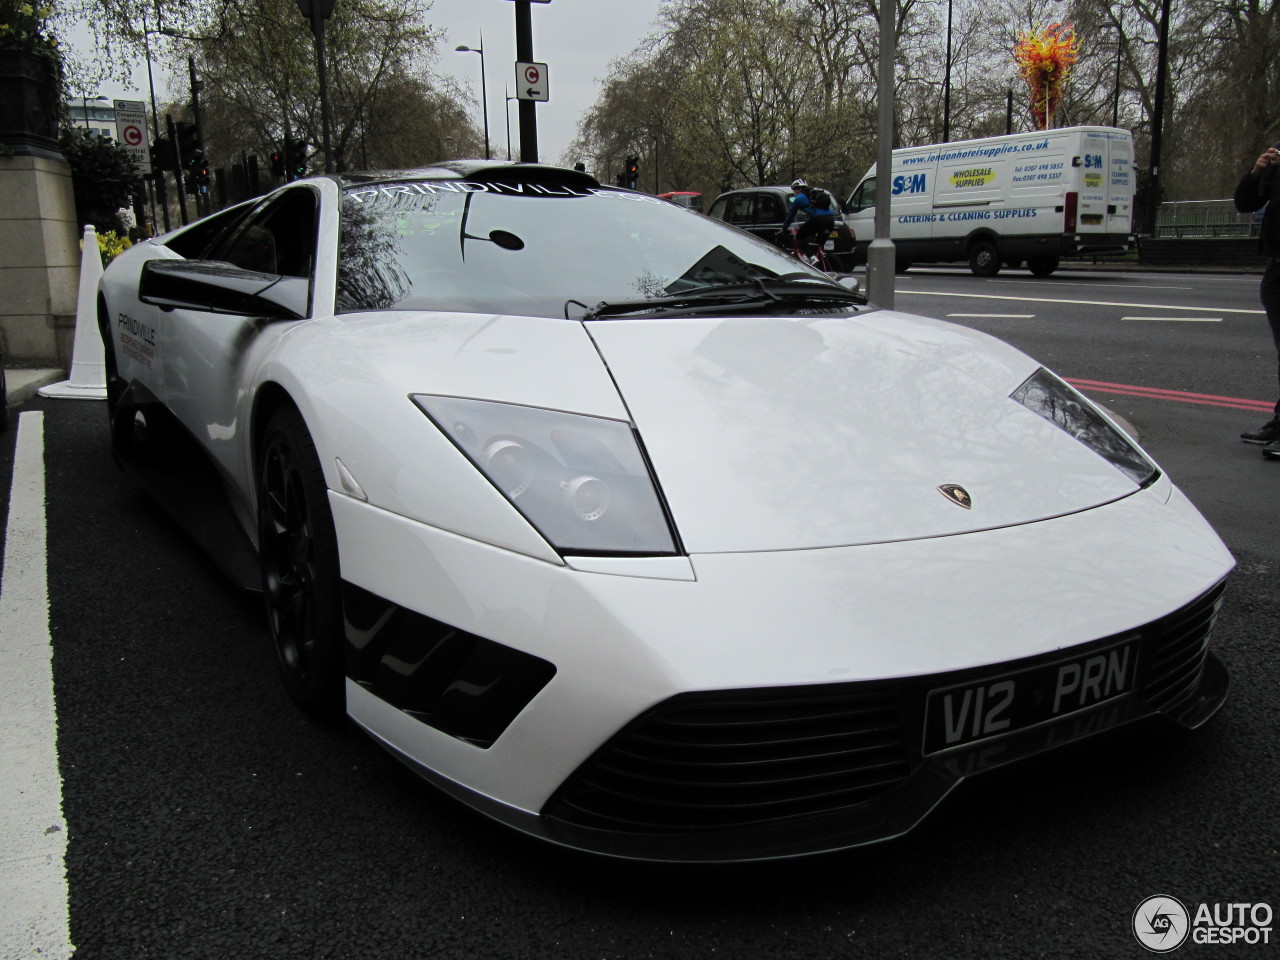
{"x":1042,"y":266}
{"x":984,"y":259}
{"x":902,"y":266}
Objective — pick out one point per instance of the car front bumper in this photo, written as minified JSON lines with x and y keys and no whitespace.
{"x":647,"y":707}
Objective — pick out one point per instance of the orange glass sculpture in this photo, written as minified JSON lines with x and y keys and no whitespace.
{"x":1045,"y":58}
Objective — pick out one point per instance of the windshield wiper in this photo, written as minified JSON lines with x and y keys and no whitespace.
{"x":760,"y":292}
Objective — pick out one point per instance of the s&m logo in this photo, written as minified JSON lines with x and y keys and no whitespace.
{"x":912,"y":184}
{"x":1093,"y":161}
{"x":1161,"y":923}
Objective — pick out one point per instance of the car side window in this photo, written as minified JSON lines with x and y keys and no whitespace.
{"x":768,"y":208}
{"x":192,"y":242}
{"x":280,"y":238}
{"x":719,"y":209}
{"x":743,"y":210}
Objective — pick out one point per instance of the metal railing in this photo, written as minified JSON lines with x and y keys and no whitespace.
{"x":1205,"y":218}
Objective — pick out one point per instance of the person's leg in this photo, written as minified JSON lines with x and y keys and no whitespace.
{"x":1269,"y":292}
{"x":1270,"y":295}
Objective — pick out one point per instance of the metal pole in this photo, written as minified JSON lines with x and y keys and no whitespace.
{"x":484,"y":97}
{"x":1115,"y":102}
{"x":507,"y":111}
{"x":178,"y":165}
{"x":1157,"y":122}
{"x":524,"y":53}
{"x":287,"y":152}
{"x":156,"y":173}
{"x":317,"y":28}
{"x":202,"y":199}
{"x":946,"y":85}
{"x":881,"y":257}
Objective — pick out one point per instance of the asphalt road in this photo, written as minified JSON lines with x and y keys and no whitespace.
{"x":209,"y":819}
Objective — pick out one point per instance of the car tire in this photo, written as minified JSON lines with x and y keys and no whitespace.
{"x":298,"y":554}
{"x":1042,"y":266}
{"x":902,"y":266}
{"x":984,"y":259}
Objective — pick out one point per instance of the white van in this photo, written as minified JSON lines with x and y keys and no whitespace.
{"x":1033,"y":197}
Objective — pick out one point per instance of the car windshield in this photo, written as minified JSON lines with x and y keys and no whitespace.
{"x":533,"y":249}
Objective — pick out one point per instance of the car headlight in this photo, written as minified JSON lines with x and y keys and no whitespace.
{"x":581,"y":481}
{"x":1045,"y":394}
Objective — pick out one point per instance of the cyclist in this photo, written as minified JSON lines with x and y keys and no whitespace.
{"x":817,"y":203}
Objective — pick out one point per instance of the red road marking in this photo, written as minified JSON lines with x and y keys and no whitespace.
{"x":1180,"y":396}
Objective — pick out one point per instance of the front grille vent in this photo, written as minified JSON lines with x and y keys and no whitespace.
{"x":1178,"y":645}
{"x":733,"y":759}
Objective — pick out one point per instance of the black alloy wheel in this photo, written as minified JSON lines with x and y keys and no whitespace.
{"x":984,"y":259}
{"x":298,"y":551}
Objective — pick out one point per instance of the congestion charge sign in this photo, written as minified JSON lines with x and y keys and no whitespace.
{"x":131,"y":132}
{"x":531,"y":81}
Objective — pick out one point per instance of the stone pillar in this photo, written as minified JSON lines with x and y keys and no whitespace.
{"x":39,"y":259}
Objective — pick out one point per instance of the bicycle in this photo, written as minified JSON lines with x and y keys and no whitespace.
{"x":816,"y":258}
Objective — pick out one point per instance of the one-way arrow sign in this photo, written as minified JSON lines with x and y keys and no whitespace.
{"x":531,"y":81}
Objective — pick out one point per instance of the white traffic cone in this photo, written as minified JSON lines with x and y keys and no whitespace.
{"x":88,"y":379}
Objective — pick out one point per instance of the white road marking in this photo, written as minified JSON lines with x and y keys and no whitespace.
{"x":34,"y":915}
{"x":1178,"y":319}
{"x":1093,"y":283}
{"x":996,"y":316}
{"x":1083,"y":303}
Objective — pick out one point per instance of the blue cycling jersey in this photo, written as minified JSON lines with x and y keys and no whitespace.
{"x":800,"y":202}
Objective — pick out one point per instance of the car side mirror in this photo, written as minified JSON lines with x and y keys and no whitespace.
{"x":213,"y":286}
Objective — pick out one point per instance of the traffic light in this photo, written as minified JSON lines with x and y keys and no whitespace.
{"x":633,"y":172}
{"x":162,"y":155}
{"x":277,"y":164}
{"x":296,"y":159}
{"x":189,"y":145}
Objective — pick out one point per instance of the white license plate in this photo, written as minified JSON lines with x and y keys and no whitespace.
{"x":994,"y":706}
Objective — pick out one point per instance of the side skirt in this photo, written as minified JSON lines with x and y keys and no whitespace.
{"x":166,"y":461}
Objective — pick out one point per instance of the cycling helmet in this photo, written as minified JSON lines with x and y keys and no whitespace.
{"x":798,"y":182}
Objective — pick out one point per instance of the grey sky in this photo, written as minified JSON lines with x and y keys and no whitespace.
{"x":575,"y":38}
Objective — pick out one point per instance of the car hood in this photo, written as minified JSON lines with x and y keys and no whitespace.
{"x":785,"y":433}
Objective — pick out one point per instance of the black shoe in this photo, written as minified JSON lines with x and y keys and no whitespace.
{"x":1272,"y":451}
{"x":1269,"y":432}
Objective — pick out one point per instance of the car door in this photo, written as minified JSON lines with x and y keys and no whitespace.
{"x":208,"y":357}
{"x":768,"y":212}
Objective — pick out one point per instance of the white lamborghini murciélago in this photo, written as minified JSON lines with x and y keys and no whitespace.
{"x":631,"y":530}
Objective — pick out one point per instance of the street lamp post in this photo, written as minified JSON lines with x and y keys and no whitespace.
{"x":484,"y":97}
{"x":1115,"y":95}
{"x":84,"y":109}
{"x":507,"y":111}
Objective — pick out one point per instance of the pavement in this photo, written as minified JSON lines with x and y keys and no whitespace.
{"x":23,"y":382}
